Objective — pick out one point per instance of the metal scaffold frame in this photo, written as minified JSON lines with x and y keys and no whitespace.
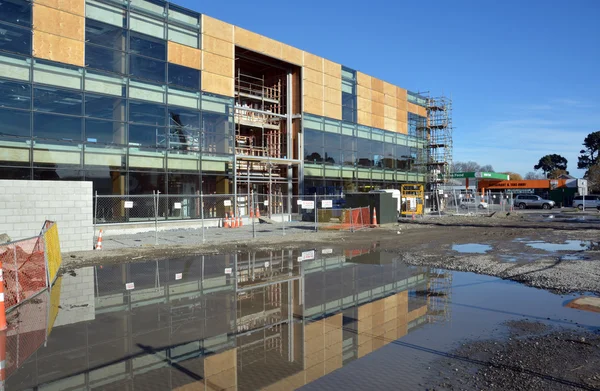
{"x":439,"y":140}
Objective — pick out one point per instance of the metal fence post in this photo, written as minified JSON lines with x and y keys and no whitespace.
{"x":282,"y":212}
{"x":156,"y":217}
{"x":202,"y":214}
{"x":316,"y":213}
{"x":95,"y":211}
{"x":253,"y":219}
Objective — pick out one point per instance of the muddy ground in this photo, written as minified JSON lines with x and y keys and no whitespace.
{"x":534,"y":357}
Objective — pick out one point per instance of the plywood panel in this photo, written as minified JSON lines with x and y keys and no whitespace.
{"x":61,"y":23}
{"x":402,"y":127}
{"x":333,"y":111}
{"x":291,"y":54}
{"x":363,"y":92}
{"x":412,"y":108}
{"x":217,"y":46}
{"x":184,"y":55}
{"x":422,"y":111}
{"x":313,"y":90}
{"x":364,"y":118}
{"x":377,"y":85}
{"x":217,"y":84}
{"x":378,"y":109}
{"x":377,"y":121}
{"x":401,"y":105}
{"x":390,"y":101}
{"x":313,"y":62}
{"x":59,"y":49}
{"x":401,"y":115}
{"x":332,"y":68}
{"x":377,"y":96}
{"x":389,"y":89}
{"x":248,"y":39}
{"x":391,"y":125}
{"x":216,"y":28}
{"x":332,"y":82}
{"x":364,"y":104}
{"x":363,"y":79}
{"x":312,"y":76}
{"x":219,"y":65}
{"x":333,"y":96}
{"x":401,"y":93}
{"x":271,"y":47}
{"x":390,"y":112}
{"x":71,"y":6}
{"x":313,"y":106}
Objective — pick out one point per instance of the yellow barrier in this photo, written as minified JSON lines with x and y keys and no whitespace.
{"x":53,"y":255}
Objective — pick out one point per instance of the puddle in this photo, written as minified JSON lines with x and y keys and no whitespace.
{"x":569,"y":245}
{"x":573,"y":257}
{"x":317,"y":318}
{"x":473,"y":248}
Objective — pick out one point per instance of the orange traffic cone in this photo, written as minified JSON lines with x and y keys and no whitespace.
{"x":241,"y":223}
{"x":234,"y":224}
{"x":251,"y":213}
{"x":99,"y":244}
{"x":374,"y":222}
{"x":257,"y":212}
{"x":225,"y":221}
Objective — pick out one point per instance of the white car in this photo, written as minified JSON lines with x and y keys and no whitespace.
{"x":590,"y":202}
{"x":471,"y":203}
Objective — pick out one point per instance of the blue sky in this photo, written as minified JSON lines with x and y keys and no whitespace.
{"x":524,"y":75}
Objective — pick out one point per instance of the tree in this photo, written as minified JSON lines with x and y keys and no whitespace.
{"x":534,"y":175}
{"x":593,"y":177}
{"x":513,"y":176}
{"x":550,"y":163}
{"x":589,"y":155}
{"x":470,"y":166}
{"x":555,"y":174}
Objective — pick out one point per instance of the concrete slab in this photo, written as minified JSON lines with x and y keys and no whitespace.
{"x":586,"y":303}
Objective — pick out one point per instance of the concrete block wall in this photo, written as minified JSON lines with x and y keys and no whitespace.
{"x":77,"y":300}
{"x":25,"y":205}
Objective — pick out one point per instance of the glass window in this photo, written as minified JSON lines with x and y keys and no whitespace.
{"x":57,"y":174}
{"x":105,"y":107}
{"x":53,"y":100}
{"x":364,"y":158}
{"x":15,"y":123}
{"x":146,"y":183}
{"x":147,"y":46}
{"x":57,"y":127}
{"x":14,"y":94}
{"x":15,"y":39}
{"x":147,"y":113}
{"x":184,"y":36}
{"x":16,"y":11}
{"x":313,"y":146}
{"x":105,"y":35}
{"x":14,"y":67}
{"x":113,"y":14}
{"x":107,"y":182}
{"x":105,"y":59}
{"x":184,"y":77}
{"x":183,"y":16}
{"x":15,"y":173}
{"x":184,"y":118}
{"x":147,"y":25}
{"x":217,"y":133}
{"x":146,"y":68}
{"x":184,"y":129}
{"x":105,"y":132}
{"x":105,"y":84}
{"x":147,"y":136}
{"x":331,"y":148}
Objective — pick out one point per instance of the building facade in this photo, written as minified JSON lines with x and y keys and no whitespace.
{"x":144,"y":95}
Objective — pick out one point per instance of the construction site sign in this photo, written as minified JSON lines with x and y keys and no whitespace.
{"x":129,"y":286}
{"x":227,"y":203}
{"x":308,"y":204}
{"x":327,"y":204}
{"x":308,"y":255}
{"x":128,"y":204}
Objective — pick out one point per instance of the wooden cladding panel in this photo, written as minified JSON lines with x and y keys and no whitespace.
{"x":333,"y":111}
{"x":184,"y":55}
{"x":217,"y":46}
{"x":313,"y":76}
{"x":313,"y":62}
{"x":313,"y":106}
{"x":332,"y":68}
{"x":401,"y":115}
{"x":412,"y":108}
{"x":422,"y":111}
{"x":402,"y":127}
{"x":271,"y":47}
{"x":377,"y":85}
{"x":377,"y":96}
{"x":377,"y":121}
{"x":248,"y":39}
{"x":390,"y":101}
{"x":363,"y":92}
{"x":61,"y":23}
{"x":217,"y":84}
{"x":333,"y":96}
{"x":332,"y":82}
{"x":390,"y":124}
{"x":363,"y":79}
{"x":401,"y":104}
{"x":390,"y":112}
{"x":76,"y":7}
{"x":389,"y":89}
{"x":60,"y":49}
{"x":291,"y":54}
{"x":364,"y":104}
{"x":378,"y":109}
{"x":364,"y":118}
{"x":218,"y":65}
{"x":401,"y":94}
{"x":217,"y":29}
{"x":313,"y":90}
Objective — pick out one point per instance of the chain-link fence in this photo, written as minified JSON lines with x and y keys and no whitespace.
{"x":462,"y":202}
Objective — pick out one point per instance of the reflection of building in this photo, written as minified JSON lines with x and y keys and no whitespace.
{"x":277,"y":324}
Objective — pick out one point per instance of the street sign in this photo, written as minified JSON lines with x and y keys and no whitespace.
{"x":327,"y":204}
{"x":308,"y":255}
{"x":308,"y":204}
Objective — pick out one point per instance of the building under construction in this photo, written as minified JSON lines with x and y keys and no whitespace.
{"x":147,"y":96}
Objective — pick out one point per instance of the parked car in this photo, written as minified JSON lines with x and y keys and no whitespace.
{"x":589,"y":201}
{"x":471,"y":203}
{"x":524,"y":201}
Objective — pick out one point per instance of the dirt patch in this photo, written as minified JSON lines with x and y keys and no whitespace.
{"x":563,"y":359}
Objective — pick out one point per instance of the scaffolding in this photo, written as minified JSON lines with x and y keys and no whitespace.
{"x":439,"y":140}
{"x":439,"y":292}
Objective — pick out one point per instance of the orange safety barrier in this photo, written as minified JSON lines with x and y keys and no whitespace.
{"x":99,"y":244}
{"x":374,"y":223}
{"x":352,"y":219}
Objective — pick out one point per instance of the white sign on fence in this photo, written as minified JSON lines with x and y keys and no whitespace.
{"x":266,"y":203}
{"x":267,"y":264}
{"x":178,"y":276}
{"x":299,"y":202}
{"x":227,"y":203}
{"x":129,"y":286}
{"x":440,"y":191}
{"x":128,"y":204}
{"x":308,"y":255}
{"x":426,"y":197}
{"x":326,"y":204}
{"x":299,"y":259}
{"x":177,"y":205}
{"x":327,"y":251}
{"x":445,"y":195}
{"x":308,"y":204}
{"x":228,"y":270}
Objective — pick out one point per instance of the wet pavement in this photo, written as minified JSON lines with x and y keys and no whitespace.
{"x":318,"y":318}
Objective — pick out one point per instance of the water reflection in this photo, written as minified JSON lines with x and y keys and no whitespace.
{"x":230,"y":321}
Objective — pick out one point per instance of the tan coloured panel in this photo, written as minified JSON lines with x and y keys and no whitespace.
{"x":333,"y":96}
{"x":391,"y":125}
{"x":333,"y":111}
{"x":248,"y":39}
{"x":377,"y":121}
{"x":332,"y":68}
{"x":401,"y":105}
{"x":363,"y":92}
{"x":217,"y":46}
{"x":217,"y":84}
{"x":313,"y":90}
{"x":332,"y":82}
{"x":389,"y":89}
{"x":390,"y":112}
{"x":61,"y":23}
{"x":390,"y":101}
{"x":312,"y":76}
{"x":402,"y":127}
{"x":313,"y":106}
{"x":377,"y":96}
{"x":291,"y":54}
{"x":363,"y":79}
{"x":271,"y":47}
{"x":219,"y":65}
{"x":71,"y":6}
{"x":184,"y":55}
{"x":313,"y":62}
{"x":401,"y":93}
{"x":412,"y":108}
{"x":59,"y":49}
{"x":377,"y":85}
{"x":365,"y":105}
{"x":216,"y":28}
{"x":401,"y":115}
{"x":364,"y":118}
{"x":422,"y":111}
{"x":378,"y":109}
